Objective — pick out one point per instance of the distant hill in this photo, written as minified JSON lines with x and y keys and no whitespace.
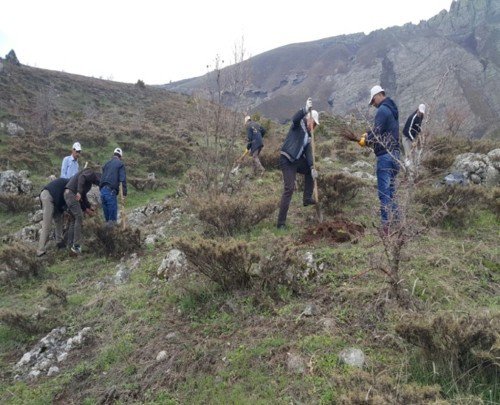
{"x":450,"y":62}
{"x":56,"y":109}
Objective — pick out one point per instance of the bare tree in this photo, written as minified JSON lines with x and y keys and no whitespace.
{"x":221,"y":126}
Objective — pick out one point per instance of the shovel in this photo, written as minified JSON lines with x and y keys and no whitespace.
{"x":319,"y":214}
{"x":238,"y":162}
{"x":123,"y":214}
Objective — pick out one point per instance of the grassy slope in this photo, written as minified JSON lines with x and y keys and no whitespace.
{"x":232,"y":348}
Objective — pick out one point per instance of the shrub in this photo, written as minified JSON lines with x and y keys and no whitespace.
{"x":16,"y":202}
{"x":460,"y":203}
{"x":226,"y":263}
{"x":338,"y":189}
{"x":19,"y":260}
{"x":113,"y":241}
{"x":457,"y":347}
{"x":228,"y":215}
{"x":17,"y":320}
{"x":279,"y":268}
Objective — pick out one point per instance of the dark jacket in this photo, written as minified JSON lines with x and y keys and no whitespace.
{"x":385,"y":135}
{"x":413,"y":126}
{"x":255,"y":133}
{"x":82,"y":183}
{"x":113,"y":173}
{"x":293,"y":148}
{"x":56,"y":190}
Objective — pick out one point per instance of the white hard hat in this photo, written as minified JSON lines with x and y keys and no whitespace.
{"x":119,"y":151}
{"x":315,"y":116}
{"x":247,"y":118}
{"x":375,"y":90}
{"x":421,"y":108}
{"x":77,"y":146}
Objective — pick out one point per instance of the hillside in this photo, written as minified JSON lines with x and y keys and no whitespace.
{"x":202,"y":300}
{"x":450,"y":62}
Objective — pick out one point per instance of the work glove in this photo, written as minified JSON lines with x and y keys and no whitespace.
{"x":314,"y":173}
{"x":309,"y":104}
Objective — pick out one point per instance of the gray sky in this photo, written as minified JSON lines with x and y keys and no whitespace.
{"x":159,"y":41}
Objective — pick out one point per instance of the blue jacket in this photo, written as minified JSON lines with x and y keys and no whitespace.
{"x":255,"y":133}
{"x":385,"y":135}
{"x":294,"y":148}
{"x":113,"y":173}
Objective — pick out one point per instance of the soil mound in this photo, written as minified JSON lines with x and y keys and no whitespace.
{"x":337,"y":231}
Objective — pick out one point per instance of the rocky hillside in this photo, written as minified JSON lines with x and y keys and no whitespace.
{"x":197,"y":298}
{"x":450,"y":62}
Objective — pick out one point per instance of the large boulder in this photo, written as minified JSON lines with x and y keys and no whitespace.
{"x":172,"y":265}
{"x":479,"y":168}
{"x":15,"y":183}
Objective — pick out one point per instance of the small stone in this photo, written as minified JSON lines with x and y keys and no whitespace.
{"x":352,"y":357}
{"x":310,"y":310}
{"x":161,"y":356}
{"x":62,"y":357}
{"x":33,"y":374}
{"x":171,"y":336}
{"x":295,"y":363}
{"x":53,"y":371}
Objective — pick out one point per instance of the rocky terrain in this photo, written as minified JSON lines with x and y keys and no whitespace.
{"x":450,"y":62}
{"x":197,"y":298}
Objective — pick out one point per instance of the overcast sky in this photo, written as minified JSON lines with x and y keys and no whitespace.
{"x":159,"y":41}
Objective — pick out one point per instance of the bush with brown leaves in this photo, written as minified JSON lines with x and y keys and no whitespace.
{"x":114,"y":241}
{"x":459,"y":204}
{"x":337,"y":190}
{"x":16,"y":202}
{"x":227,"y":215}
{"x":226,"y":263}
{"x":456,"y":345}
{"x":19,"y":260}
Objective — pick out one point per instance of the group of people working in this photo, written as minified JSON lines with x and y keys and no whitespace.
{"x":383,"y":137}
{"x":69,"y":192}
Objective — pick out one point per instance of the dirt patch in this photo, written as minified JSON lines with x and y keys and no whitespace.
{"x":337,"y":231}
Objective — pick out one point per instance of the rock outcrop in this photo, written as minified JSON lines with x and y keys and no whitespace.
{"x":478,"y":168}
{"x":450,"y":62}
{"x":12,"y":182}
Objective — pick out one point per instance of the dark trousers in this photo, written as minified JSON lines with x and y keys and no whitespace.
{"x":290,"y":171}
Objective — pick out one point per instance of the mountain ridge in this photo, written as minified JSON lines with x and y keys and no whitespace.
{"x":450,"y":62}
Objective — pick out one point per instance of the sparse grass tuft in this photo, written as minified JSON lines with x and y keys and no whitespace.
{"x":19,"y":260}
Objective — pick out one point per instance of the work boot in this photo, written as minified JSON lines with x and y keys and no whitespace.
{"x":281,"y":226}
{"x":61,"y":244}
{"x":309,"y":201}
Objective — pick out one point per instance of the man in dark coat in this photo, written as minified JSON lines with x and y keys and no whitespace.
{"x":53,"y":206}
{"x":113,"y":173}
{"x":412,"y":128}
{"x":255,"y":133}
{"x":296,"y":157}
{"x":75,"y":196}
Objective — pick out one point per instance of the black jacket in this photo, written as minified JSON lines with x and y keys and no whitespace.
{"x":385,"y":135}
{"x":413,"y":126}
{"x":255,"y":133}
{"x":56,"y":190}
{"x":82,"y":183}
{"x":293,"y":148}
{"x":113,"y":173}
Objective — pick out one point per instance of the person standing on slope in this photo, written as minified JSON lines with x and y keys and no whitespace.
{"x":255,"y":133}
{"x":69,"y":165}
